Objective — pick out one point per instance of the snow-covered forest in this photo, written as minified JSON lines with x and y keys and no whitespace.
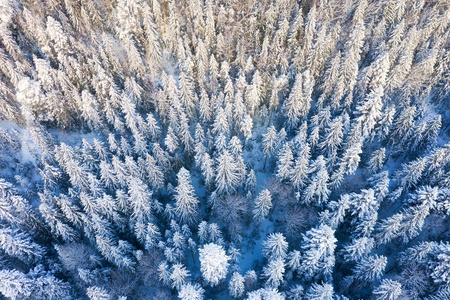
{"x":225,"y":149}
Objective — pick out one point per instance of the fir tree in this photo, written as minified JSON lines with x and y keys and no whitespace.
{"x":275,"y":246}
{"x":370,"y":268}
{"x":213,"y":263}
{"x":186,"y":202}
{"x":263,"y":204}
{"x":317,"y":191}
{"x":15,"y":285}
{"x":301,"y":167}
{"x":97,"y":293}
{"x":274,"y":271}
{"x":269,"y":142}
{"x":191,"y":292}
{"x":320,"y":292}
{"x":285,"y":162}
{"x":236,"y":286}
{"x":227,"y":174}
{"x":178,"y":275}
{"x":388,"y":290}
{"x":318,"y":251}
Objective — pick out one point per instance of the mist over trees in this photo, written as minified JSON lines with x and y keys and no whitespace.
{"x":206,"y":149}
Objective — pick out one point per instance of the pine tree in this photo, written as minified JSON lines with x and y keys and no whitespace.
{"x":164,"y":273}
{"x":364,"y":204}
{"x":439,"y":264}
{"x":203,"y":234}
{"x":338,"y":210}
{"x":301,"y":167}
{"x":246,"y":127}
{"x":171,"y":141}
{"x":285,"y":162}
{"x":274,"y":271}
{"x":154,"y":173}
{"x":178,"y":275}
{"x":318,"y":251}
{"x":275,"y":246}
{"x":389,"y":229}
{"x":140,"y":199}
{"x":186,"y":91}
{"x":208,"y":169}
{"x":320,"y":292}
{"x":227,"y":173}
{"x":250,"y":182}
{"x":413,"y":221}
{"x":205,"y":106}
{"x":20,"y":245}
{"x":221,"y":125}
{"x":370,"y":268}
{"x":388,"y":290}
{"x":263,"y":204}
{"x":210,"y":31}
{"x":213,"y":263}
{"x":54,"y":219}
{"x":296,"y":106}
{"x":351,"y":158}
{"x":184,"y":133}
{"x":358,"y":249}
{"x":236,"y":286}
{"x":186,"y":202}
{"x":235,"y":146}
{"x":403,"y":126}
{"x":377,"y":159}
{"x":254,"y":93}
{"x":269,"y":142}
{"x":380,"y":184}
{"x":215,"y":235}
{"x":191,"y":292}
{"x":15,"y":285}
{"x":97,"y":293}
{"x":294,"y":260}
{"x":411,"y":173}
{"x":333,"y":138}
{"x":265,"y":294}
{"x":296,"y":292}
{"x":317,"y":191}
{"x":47,"y":286}
{"x":370,"y":111}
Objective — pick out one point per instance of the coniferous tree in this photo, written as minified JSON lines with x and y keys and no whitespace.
{"x":275,"y":246}
{"x":15,"y":285}
{"x":318,"y":251}
{"x":191,"y":292}
{"x":317,"y":191}
{"x":97,"y":293}
{"x":263,"y":204}
{"x":227,"y":173}
{"x":213,"y":263}
{"x":285,"y":162}
{"x":388,"y":290}
{"x":186,"y":202}
{"x":269,"y":142}
{"x":376,"y":162}
{"x":370,"y":268}
{"x":301,"y":167}
{"x":19,"y":244}
{"x":274,"y":272}
{"x":320,"y":292}
{"x":104,"y":99}
{"x":236,"y":285}
{"x":294,"y":260}
{"x":178,"y":275}
{"x":333,"y":138}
